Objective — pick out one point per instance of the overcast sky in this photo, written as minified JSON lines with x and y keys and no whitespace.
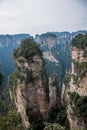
{"x":39,"y":16}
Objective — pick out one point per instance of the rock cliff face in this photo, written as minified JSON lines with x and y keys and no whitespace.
{"x":53,"y":44}
{"x":47,"y":40}
{"x":81,"y":85}
{"x":53,"y":91}
{"x":74,"y":91}
{"x":29,"y":90}
{"x":30,"y":94}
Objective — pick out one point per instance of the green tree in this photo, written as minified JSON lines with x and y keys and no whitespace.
{"x":28,"y":49}
{"x":80,"y":42}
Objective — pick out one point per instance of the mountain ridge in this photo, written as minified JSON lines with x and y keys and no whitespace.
{"x":60,"y":42}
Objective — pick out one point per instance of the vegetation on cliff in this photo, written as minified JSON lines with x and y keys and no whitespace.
{"x":28,"y":49}
{"x":12,"y":121}
{"x":80,"y":69}
{"x":80,"y":42}
{"x":8,"y":120}
{"x":53,"y":126}
{"x":76,"y":94}
{"x":79,"y":104}
{"x":67,"y":79}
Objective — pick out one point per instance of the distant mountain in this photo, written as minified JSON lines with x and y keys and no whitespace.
{"x":56,"y":52}
{"x":7,"y":45}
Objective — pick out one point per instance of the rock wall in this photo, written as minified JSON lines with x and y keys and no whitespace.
{"x":53,"y":91}
{"x":31,"y":95}
{"x":77,"y":87}
{"x":29,"y":87}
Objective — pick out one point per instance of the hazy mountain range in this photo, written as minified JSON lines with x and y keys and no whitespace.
{"x":55,"y":47}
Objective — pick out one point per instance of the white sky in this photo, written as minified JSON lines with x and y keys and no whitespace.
{"x":39,"y":16}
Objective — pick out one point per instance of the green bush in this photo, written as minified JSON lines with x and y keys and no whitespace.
{"x":53,"y":126}
{"x":81,"y":69}
{"x":80,"y":41}
{"x":28,"y":49}
{"x":11,"y":122}
{"x":80,"y":103}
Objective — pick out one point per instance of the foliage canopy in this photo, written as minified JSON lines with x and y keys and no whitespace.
{"x":28,"y":49}
{"x":80,"y":41}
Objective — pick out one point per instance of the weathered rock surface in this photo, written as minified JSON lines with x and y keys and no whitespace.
{"x":30,"y":94}
{"x":53,"y":91}
{"x":79,"y":86}
{"x":33,"y":94}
